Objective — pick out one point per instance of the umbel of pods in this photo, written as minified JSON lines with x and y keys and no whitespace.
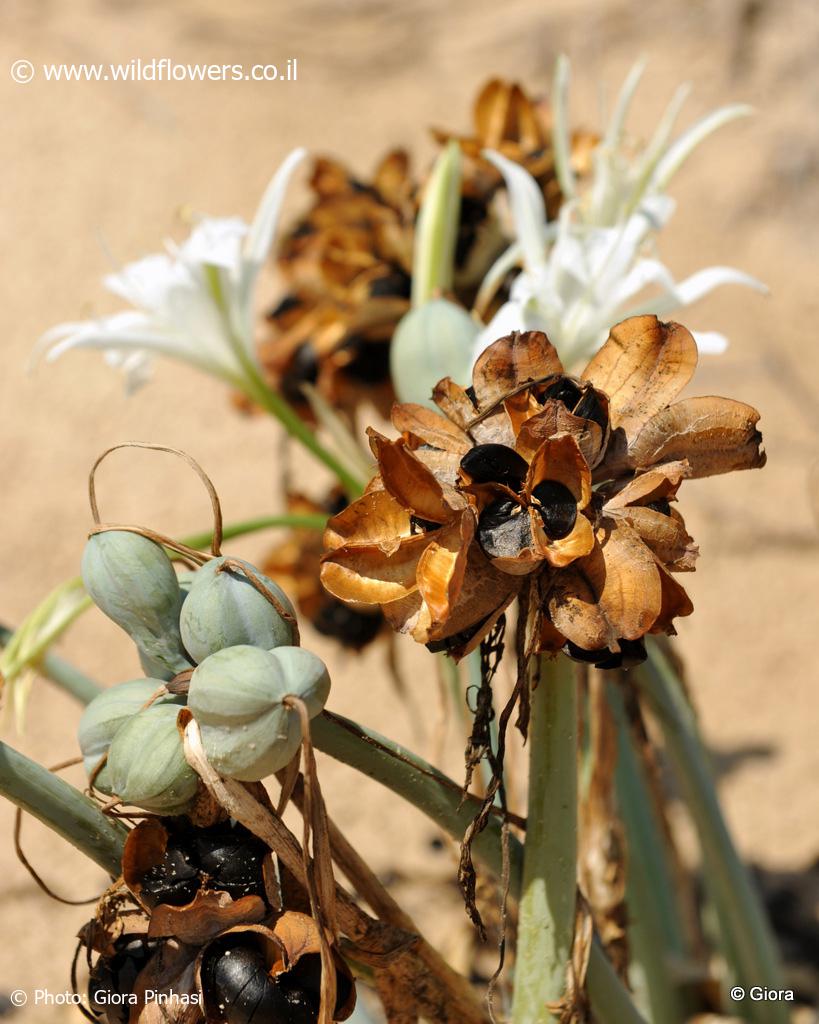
{"x":218,"y":903}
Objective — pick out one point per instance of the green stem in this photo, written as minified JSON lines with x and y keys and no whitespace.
{"x":295,"y":426}
{"x":548,"y":901}
{"x":247,"y":526}
{"x":741,"y":914}
{"x":63,"y":808}
{"x":656,"y":933}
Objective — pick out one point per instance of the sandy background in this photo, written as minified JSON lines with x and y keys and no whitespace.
{"x":107,"y":166}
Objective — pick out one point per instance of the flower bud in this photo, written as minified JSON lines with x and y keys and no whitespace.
{"x":223,"y":609}
{"x":236,"y":696}
{"x":106,"y":714}
{"x":132,"y":580}
{"x":146,"y":762}
{"x":431,"y":342}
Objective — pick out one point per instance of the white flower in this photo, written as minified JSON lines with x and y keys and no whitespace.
{"x":587,"y":271}
{"x":193,"y":302}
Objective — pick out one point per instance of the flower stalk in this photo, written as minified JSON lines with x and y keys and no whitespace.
{"x":753,"y":955}
{"x":62,"y":808}
{"x":548,"y":896}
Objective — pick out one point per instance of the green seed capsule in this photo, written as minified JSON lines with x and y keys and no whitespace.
{"x":223,"y":609}
{"x":431,"y":342}
{"x":236,"y":697}
{"x":132,"y":580}
{"x":146,"y":762}
{"x":105,"y":716}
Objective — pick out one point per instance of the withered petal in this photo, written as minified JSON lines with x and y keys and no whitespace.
{"x":429,"y":427}
{"x":665,"y":535}
{"x":675,"y":603}
{"x":555,"y":418}
{"x":643,"y":366}
{"x":511,"y":361}
{"x":714,"y":435}
{"x":375,"y":518}
{"x":408,"y":480}
{"x":442,"y":566}
{"x":562,"y":552}
{"x":366,"y":575}
{"x":613,"y":592}
{"x":454,"y":402}
{"x":559,"y":458}
{"x":662,"y":482}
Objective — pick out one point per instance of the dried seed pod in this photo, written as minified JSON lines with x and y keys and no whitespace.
{"x":111,"y":982}
{"x":132,"y":580}
{"x":146,"y":762}
{"x":106,"y":714}
{"x":237,"y":697}
{"x":223,"y":609}
{"x":431,"y":342}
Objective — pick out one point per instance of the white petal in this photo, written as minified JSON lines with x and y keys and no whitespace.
{"x":260,"y":237}
{"x":614,"y":132}
{"x":685,"y":145}
{"x":710,"y":343}
{"x":561,"y":136}
{"x":528,"y":208}
{"x":215,"y":241}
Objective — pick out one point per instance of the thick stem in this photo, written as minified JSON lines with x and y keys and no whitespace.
{"x":750,"y":943}
{"x":62,"y":807}
{"x":548,"y":897}
{"x":656,"y":933}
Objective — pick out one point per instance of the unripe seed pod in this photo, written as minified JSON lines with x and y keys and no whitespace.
{"x":236,"y":696}
{"x":132,"y":580}
{"x":147,"y":765}
{"x":224,"y":609}
{"x":105,"y":716}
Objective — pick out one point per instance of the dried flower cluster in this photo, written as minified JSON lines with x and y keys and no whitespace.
{"x":348,"y":261}
{"x":533,"y":481}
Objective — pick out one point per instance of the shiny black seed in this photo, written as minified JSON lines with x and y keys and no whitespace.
{"x":303,"y":369}
{"x":631,"y":653}
{"x":591,"y":408}
{"x":370,"y":360}
{"x":239,"y":990}
{"x":174,"y":881}
{"x":394,"y":285}
{"x":564,"y":390}
{"x":661,"y":505}
{"x":495,"y":463}
{"x":232,"y":857}
{"x":473,"y":398}
{"x":353,"y":628}
{"x":557,"y":508}
{"x":114,"y":976}
{"x":504,"y":529}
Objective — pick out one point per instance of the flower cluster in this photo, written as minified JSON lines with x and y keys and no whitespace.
{"x":534,"y":480}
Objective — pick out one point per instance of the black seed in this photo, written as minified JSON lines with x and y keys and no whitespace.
{"x":238,"y":988}
{"x":591,"y":408}
{"x":303,"y":369}
{"x":473,"y":398}
{"x":175,"y":881}
{"x":557,"y":508}
{"x":232,"y":857}
{"x":504,"y":529}
{"x":115,"y":976}
{"x":394,"y":285}
{"x":353,"y":628}
{"x":495,"y":463}
{"x":335,"y":502}
{"x":370,"y":362}
{"x":631,"y":653}
{"x":661,"y":505}
{"x":303,"y":230}
{"x":564,"y":390}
